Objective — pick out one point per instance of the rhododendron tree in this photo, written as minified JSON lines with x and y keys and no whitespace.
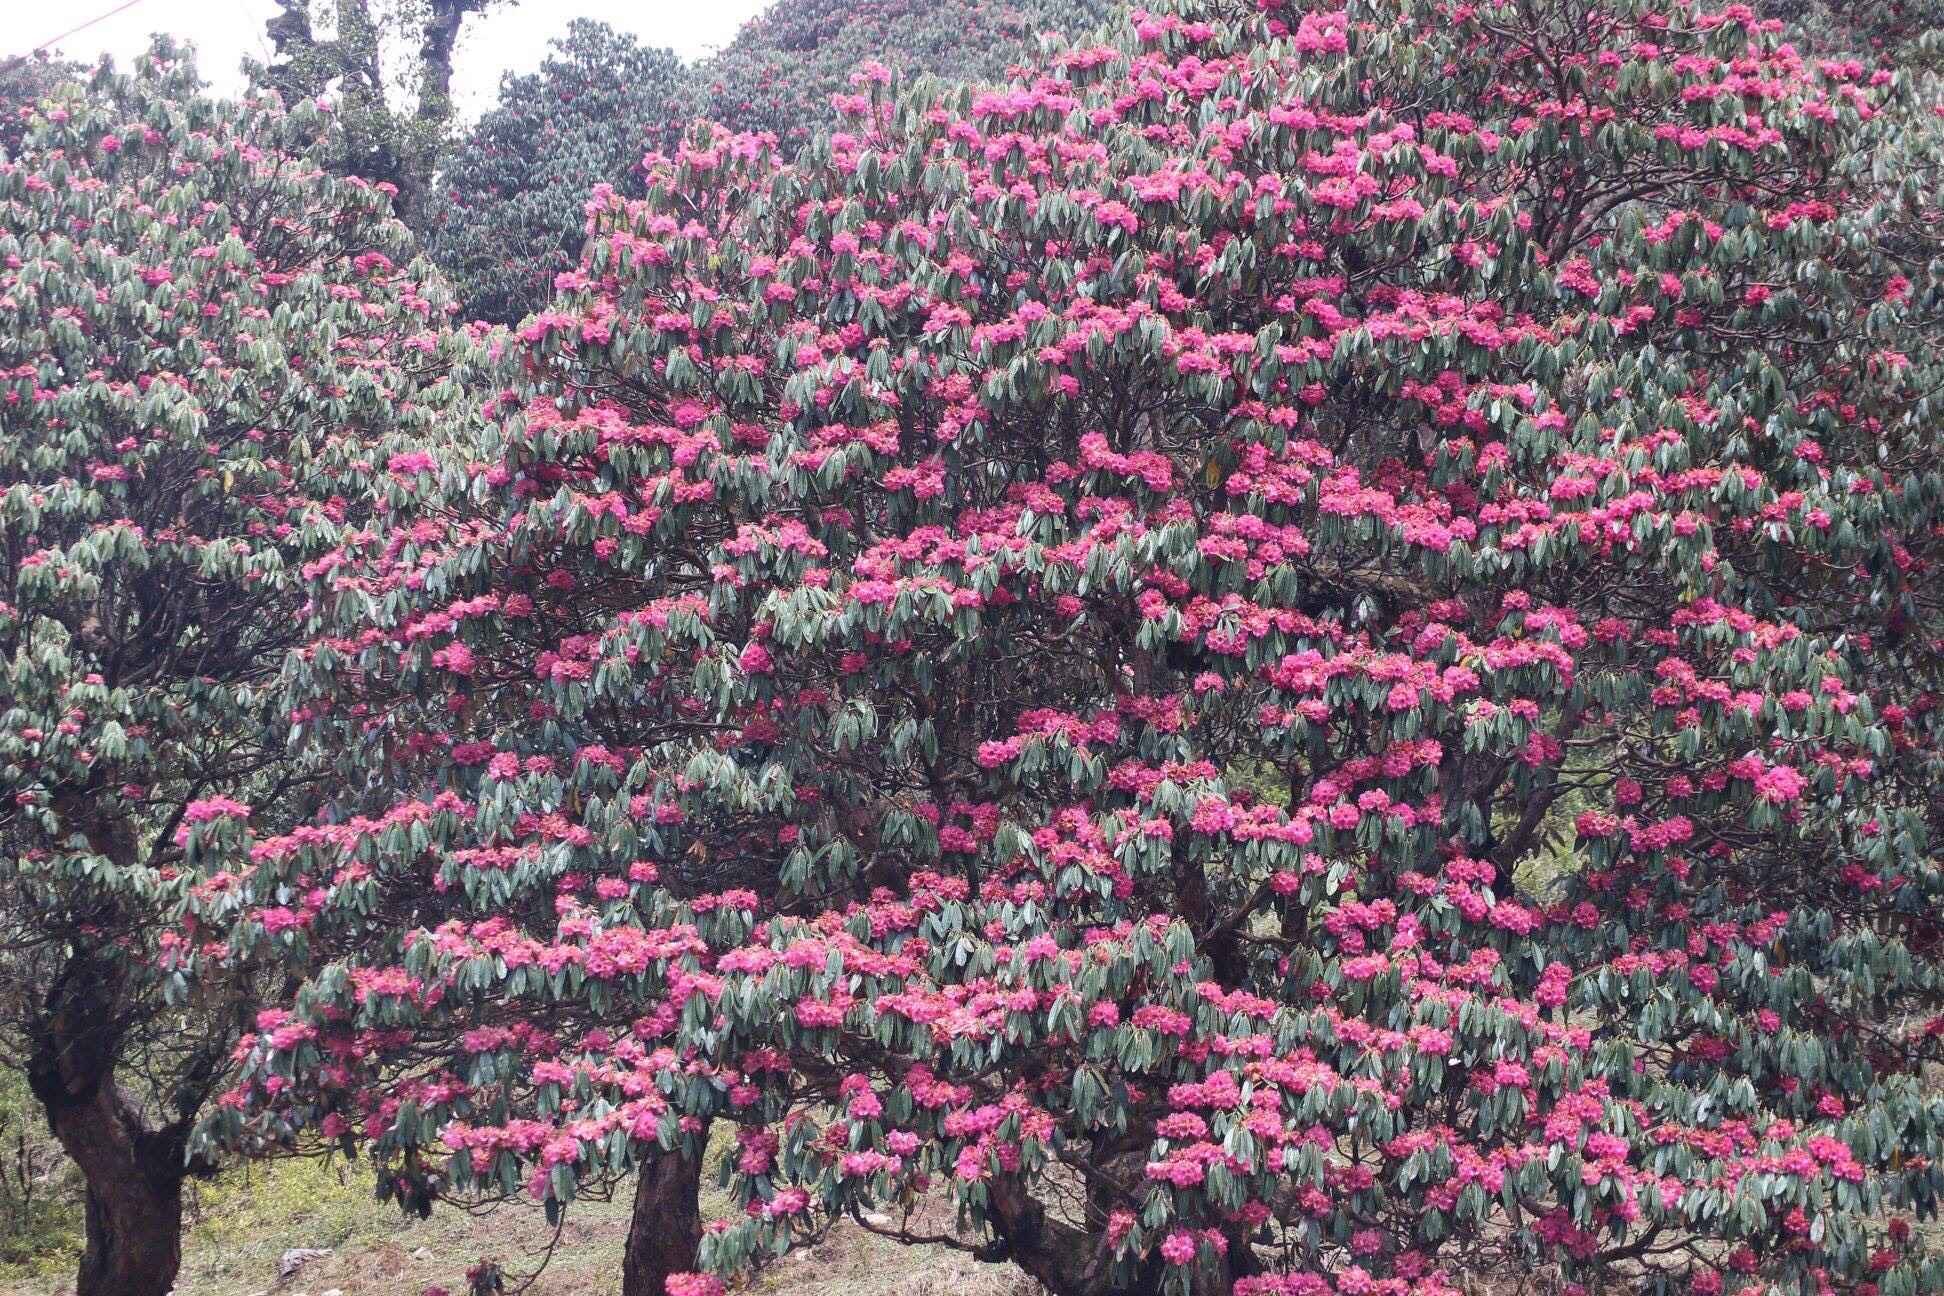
{"x":203,"y":342}
{"x":1297,"y":654}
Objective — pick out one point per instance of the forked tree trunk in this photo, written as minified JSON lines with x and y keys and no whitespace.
{"x":134,"y":1233}
{"x":665,"y":1230}
{"x":134,"y":1190}
{"x":133,"y":1172}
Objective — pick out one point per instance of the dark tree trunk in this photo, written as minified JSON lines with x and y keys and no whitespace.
{"x":665,"y":1230}
{"x":1065,"y":1260}
{"x":1072,"y":1261}
{"x":133,"y":1174}
{"x":134,"y":1209}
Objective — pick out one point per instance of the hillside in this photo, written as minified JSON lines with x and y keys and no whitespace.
{"x":783,"y":67}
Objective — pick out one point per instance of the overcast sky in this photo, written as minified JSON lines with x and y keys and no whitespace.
{"x":510,"y":37}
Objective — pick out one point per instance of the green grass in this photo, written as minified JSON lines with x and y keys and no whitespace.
{"x":240,"y":1224}
{"x":40,"y":1197}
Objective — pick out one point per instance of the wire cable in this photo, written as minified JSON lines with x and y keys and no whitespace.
{"x":72,"y":31}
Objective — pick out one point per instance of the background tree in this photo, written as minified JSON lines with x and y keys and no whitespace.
{"x":203,"y":342}
{"x":510,"y":213}
{"x":398,"y":146}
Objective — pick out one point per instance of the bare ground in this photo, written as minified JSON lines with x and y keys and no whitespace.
{"x":242,"y":1224}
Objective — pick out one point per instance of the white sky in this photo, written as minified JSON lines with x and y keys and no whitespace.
{"x":506,"y":38}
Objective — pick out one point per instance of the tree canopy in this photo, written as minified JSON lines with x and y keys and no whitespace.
{"x":781,"y":71}
{"x":1296,"y":652}
{"x":512,"y":208}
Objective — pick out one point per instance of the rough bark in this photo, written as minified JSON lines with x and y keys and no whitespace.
{"x":665,"y":1231}
{"x":134,"y":1199}
{"x":433,"y":116}
{"x":133,"y":1173}
{"x":1061,"y":1258}
{"x":435,"y":59}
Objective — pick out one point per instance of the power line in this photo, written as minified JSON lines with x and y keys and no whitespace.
{"x":73,"y":31}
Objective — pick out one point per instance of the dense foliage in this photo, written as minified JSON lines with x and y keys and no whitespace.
{"x":1899,"y":29}
{"x":511,"y":213}
{"x":203,"y":343}
{"x":24,"y":82}
{"x":1296,"y":654}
